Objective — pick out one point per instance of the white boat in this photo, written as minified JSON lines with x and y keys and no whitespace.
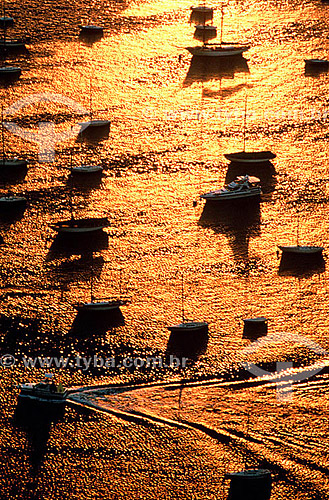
{"x":301,"y":249}
{"x":241,"y":188}
{"x":45,"y":391}
{"x":86,"y":225}
{"x":222,"y":49}
{"x":86,"y":170}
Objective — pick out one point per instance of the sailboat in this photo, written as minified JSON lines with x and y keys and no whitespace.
{"x":94,"y":127}
{"x":80,"y":226}
{"x":84,"y":170}
{"x":250,"y":156}
{"x":10,"y":165}
{"x":8,"y":74}
{"x":223,"y":49}
{"x":100,"y":305}
{"x":188,"y":326}
{"x":91,"y":31}
{"x":302,"y":250}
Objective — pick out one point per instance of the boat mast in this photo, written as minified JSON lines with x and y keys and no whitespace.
{"x":245,"y":124}
{"x":297,"y":232}
{"x":92,"y":281}
{"x":90,"y":101}
{"x":221,"y":25}
{"x":183,"y":311}
{"x":2,"y":136}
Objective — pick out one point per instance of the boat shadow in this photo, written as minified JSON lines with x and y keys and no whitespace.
{"x":35,"y":419}
{"x":65,"y":245}
{"x":68,"y":271}
{"x":301,"y":265}
{"x":238,"y":220}
{"x":204,"y":69}
{"x":85,"y":183}
{"x":12,"y":175}
{"x":93,"y":135}
{"x":87,"y":324}
{"x":191,"y":345}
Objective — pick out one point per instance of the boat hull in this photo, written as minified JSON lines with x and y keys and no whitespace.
{"x":99,"y":307}
{"x":252,"y":157}
{"x":81,"y":226}
{"x":212,"y":196}
{"x":301,"y":250}
{"x":229,"y":51}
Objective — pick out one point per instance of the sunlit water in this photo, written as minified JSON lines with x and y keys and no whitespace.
{"x":171,"y":124}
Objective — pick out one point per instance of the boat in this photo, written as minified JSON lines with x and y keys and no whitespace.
{"x":11,"y":202}
{"x":85,"y":225}
{"x":221,"y":49}
{"x":92,"y":127}
{"x":250,"y":484}
{"x":87,"y":170}
{"x":255,"y":326}
{"x":45,"y":391}
{"x":201,"y":14}
{"x":12,"y":46}
{"x":10,"y":165}
{"x":91,"y":31}
{"x":187,"y":326}
{"x":300,"y":250}
{"x":249,"y":156}
{"x":242,"y":187}
{"x":317,"y":63}
{"x":9,"y":74}
{"x":6,"y":22}
{"x":101,"y":305}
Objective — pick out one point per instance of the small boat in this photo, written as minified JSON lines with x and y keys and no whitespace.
{"x":86,"y":225}
{"x":201,"y":14}
{"x":12,"y":46}
{"x":93,"y":128}
{"x":316,"y":63}
{"x":221,"y":49}
{"x":87,"y":170}
{"x":11,"y":202}
{"x":250,"y":157}
{"x":91,"y":31}
{"x":9,"y":74}
{"x":45,"y":391}
{"x":241,"y":188}
{"x":6,"y":22}
{"x":301,"y":250}
{"x":101,"y":305}
{"x":255,"y":326}
{"x":188,"y":327}
{"x":12,"y":164}
{"x":250,"y":484}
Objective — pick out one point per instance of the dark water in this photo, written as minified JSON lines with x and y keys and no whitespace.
{"x":172,"y":121}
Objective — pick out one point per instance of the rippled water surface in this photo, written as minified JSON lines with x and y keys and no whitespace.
{"x":172,"y":120}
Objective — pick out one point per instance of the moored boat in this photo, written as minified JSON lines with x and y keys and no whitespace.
{"x":85,"y":225}
{"x":241,"y":188}
{"x":250,"y":156}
